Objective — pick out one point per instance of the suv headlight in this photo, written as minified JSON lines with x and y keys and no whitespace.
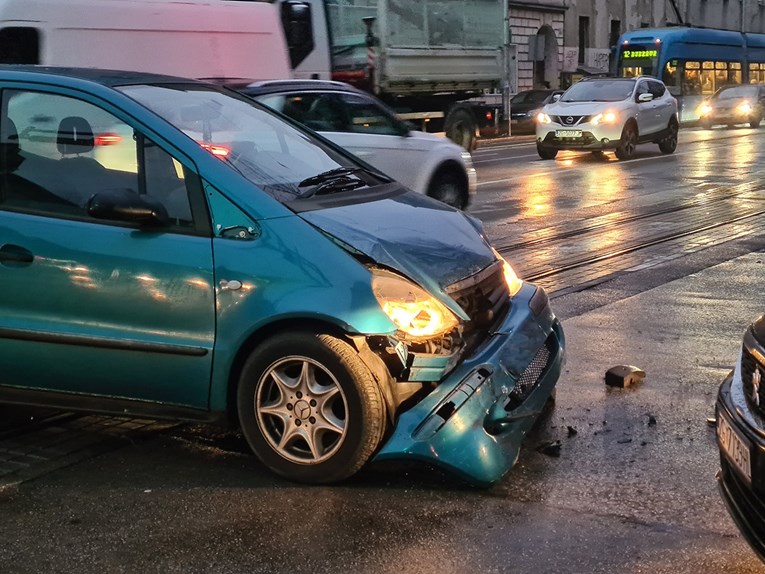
{"x":744,"y":108}
{"x":543,"y":118}
{"x":412,"y":309}
{"x":605,"y":118}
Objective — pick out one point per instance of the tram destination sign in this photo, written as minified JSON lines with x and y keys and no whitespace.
{"x":639,"y":54}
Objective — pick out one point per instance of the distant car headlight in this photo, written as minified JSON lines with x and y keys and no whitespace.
{"x":605,"y":118}
{"x":744,"y":108}
{"x":514,"y":284}
{"x":705,"y":109}
{"x":543,"y":118}
{"x":412,"y":309}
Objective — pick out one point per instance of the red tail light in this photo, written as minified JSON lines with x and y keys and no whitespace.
{"x":489,"y":115}
{"x":216,"y":150}
{"x":108,"y":139}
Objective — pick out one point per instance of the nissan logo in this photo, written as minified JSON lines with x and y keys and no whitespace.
{"x":570,"y":120}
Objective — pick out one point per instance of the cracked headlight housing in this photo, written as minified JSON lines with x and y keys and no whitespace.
{"x":413,"y":310}
{"x":514,"y":283}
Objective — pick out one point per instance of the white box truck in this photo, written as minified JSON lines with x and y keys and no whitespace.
{"x":209,"y":39}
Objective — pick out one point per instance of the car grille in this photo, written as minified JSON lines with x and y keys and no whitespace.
{"x":570,"y":120}
{"x":483,"y":297}
{"x":586,"y":139}
{"x":749,"y":364}
{"x":529,"y":378}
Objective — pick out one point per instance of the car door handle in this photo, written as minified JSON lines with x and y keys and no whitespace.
{"x":10,"y":253}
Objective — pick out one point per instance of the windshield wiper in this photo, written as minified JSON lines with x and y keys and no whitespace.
{"x":330,"y":175}
{"x":335,"y":185}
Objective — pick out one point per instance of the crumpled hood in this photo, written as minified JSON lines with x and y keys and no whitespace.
{"x":426,"y":240}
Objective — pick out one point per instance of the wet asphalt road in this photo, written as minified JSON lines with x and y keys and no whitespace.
{"x":626,"y":494}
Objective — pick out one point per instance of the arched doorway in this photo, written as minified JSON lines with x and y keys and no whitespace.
{"x":546,"y":71}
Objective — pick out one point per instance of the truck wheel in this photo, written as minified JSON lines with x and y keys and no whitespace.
{"x":448,"y":186}
{"x":627,"y":143}
{"x":546,"y":152}
{"x":669,"y":143}
{"x":309,"y":407}
{"x":460,"y":128}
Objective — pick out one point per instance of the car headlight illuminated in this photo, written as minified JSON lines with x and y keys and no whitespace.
{"x":514,"y":284}
{"x":605,"y":118}
{"x":412,"y":309}
{"x":705,"y":109}
{"x":744,"y":108}
{"x":543,"y":118}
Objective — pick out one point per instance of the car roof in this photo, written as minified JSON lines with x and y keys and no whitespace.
{"x":109,"y":78}
{"x":279,"y":86}
{"x":612,"y":78}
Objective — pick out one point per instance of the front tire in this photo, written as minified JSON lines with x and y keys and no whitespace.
{"x":449,"y":187}
{"x":669,"y":143}
{"x":627,"y":143}
{"x":755,"y":122}
{"x":546,"y":152}
{"x":309,"y":407}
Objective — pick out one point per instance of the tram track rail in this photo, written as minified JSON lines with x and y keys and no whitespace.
{"x":561,"y":252}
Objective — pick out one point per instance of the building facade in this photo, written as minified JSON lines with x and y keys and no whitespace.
{"x":557,"y":41}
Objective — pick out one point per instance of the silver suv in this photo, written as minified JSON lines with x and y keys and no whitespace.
{"x":600,"y":114}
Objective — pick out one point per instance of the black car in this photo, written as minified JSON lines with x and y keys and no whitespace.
{"x":524,"y":107}
{"x":731,"y":105}
{"x":740,"y":413}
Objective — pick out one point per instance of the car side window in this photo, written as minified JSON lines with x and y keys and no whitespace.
{"x":365,"y":116}
{"x":642,"y":88}
{"x":56,"y":152}
{"x":657,"y":89}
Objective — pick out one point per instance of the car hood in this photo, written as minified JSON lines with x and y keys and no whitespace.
{"x":426,"y":240}
{"x":581,"y":108}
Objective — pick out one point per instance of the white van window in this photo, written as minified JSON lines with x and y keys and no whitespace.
{"x":19,"y":45}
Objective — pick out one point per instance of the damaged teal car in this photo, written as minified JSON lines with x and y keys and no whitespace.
{"x":171,"y":249}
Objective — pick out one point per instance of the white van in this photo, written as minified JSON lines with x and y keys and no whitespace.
{"x":209,"y":39}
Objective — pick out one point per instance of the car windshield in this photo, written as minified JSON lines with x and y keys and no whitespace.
{"x":737,"y":92}
{"x":599,"y":91}
{"x":276,"y":156}
{"x":530,"y":97}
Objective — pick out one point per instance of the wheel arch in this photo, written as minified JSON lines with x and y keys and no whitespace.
{"x":450,"y":166}
{"x":312,"y":325}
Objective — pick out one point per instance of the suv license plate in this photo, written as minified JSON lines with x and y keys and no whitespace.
{"x":735,"y":448}
{"x":568,"y":133}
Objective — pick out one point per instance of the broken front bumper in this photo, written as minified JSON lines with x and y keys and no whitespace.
{"x":473,"y":423}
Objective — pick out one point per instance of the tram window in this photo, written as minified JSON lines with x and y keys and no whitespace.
{"x":692,"y":78}
{"x":734,"y":73}
{"x":670,"y":77}
{"x":756,"y":73}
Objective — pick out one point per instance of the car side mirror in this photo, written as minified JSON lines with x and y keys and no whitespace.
{"x":128,"y":206}
{"x":645,"y":97}
{"x":556,"y":97}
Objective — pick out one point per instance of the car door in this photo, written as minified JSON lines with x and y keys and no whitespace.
{"x":368,"y":131}
{"x":91,"y":306}
{"x":646,"y":112}
{"x":664,"y":104}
